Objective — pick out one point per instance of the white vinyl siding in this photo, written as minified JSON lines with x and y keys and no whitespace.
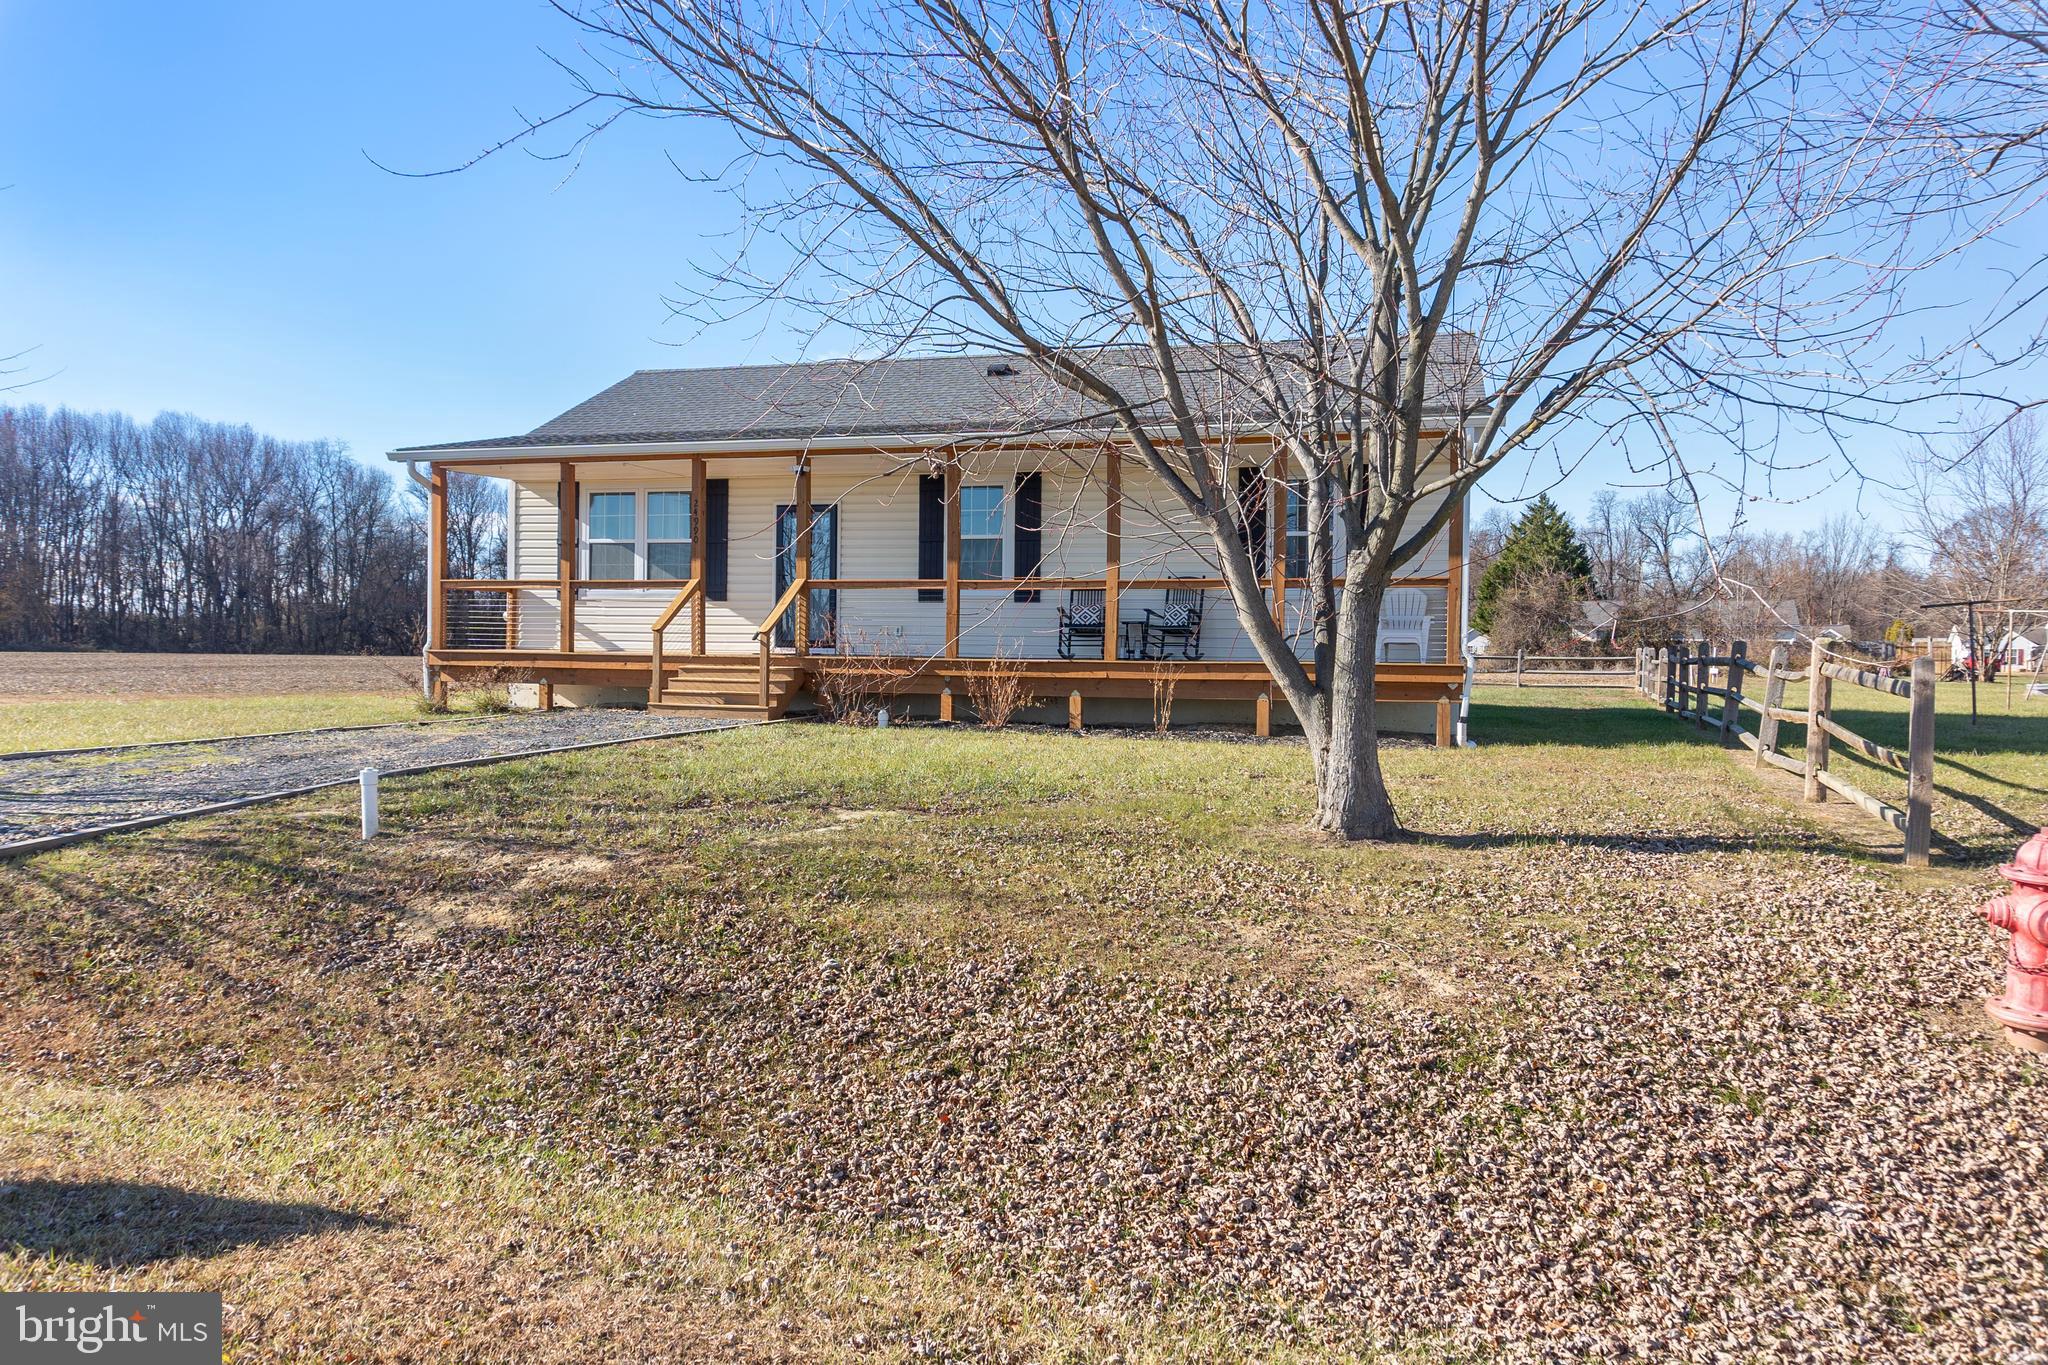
{"x":877,"y":498}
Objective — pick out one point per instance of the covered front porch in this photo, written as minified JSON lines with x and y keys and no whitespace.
{"x":755,"y":578}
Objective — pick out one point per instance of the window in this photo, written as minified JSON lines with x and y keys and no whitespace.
{"x":1297,"y":528}
{"x":626,"y":540}
{"x":981,"y":532}
{"x":610,"y":518}
{"x":668,"y":535}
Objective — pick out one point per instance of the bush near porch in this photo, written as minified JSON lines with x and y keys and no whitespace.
{"x":818,"y":1043}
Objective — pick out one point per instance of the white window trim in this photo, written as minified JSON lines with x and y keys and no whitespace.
{"x":1002,"y":537}
{"x":639,"y":542}
{"x":648,"y":542}
{"x":585,"y":540}
{"x":1296,"y":496}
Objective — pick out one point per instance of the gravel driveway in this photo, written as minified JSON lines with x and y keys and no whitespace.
{"x":44,"y":797}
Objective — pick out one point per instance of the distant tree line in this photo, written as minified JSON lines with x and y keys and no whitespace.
{"x":187,"y":534}
{"x":1642,"y":570}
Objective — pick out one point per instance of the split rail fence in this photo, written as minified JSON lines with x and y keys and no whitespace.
{"x":1682,"y":678}
{"x":1578,"y":670}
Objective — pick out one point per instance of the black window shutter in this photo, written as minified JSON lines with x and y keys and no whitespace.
{"x":1030,"y":552}
{"x":931,"y":534}
{"x":717,"y":508}
{"x":1251,"y":515}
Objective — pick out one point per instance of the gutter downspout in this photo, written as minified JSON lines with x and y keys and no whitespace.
{"x":412,"y":471}
{"x":1464,"y":737}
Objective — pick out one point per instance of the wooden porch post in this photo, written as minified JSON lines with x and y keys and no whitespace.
{"x":566,"y":541}
{"x":699,"y":552}
{"x":1113,"y":553}
{"x":803,"y":556}
{"x":952,"y":502}
{"x":437,"y":556}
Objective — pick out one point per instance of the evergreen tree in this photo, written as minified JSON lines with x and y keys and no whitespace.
{"x":1542,"y":540}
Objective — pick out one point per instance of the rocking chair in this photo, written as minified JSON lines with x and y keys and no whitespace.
{"x":1180,"y":623}
{"x":1082,"y":619}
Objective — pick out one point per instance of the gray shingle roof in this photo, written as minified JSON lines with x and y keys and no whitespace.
{"x":936,"y":396}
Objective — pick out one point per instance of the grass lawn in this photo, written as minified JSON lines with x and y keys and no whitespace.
{"x":43,"y":724}
{"x":811,"y":1043}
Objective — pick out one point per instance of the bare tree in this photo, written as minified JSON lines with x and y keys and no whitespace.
{"x":1980,"y":512}
{"x":476,"y":525}
{"x":190,"y":534}
{"x":1391,"y":243}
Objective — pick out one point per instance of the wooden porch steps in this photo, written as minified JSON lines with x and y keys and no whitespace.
{"x":729,"y":685}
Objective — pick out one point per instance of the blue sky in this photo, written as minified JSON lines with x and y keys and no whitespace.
{"x":190,"y":220}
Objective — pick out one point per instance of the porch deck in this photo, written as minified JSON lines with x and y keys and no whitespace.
{"x":1055,"y":679}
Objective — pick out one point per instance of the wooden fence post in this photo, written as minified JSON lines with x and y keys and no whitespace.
{"x":1702,"y":678}
{"x":1668,"y":663}
{"x":1774,"y":699}
{"x":1731,"y":699}
{"x":1518,"y":668}
{"x":1920,"y":765}
{"x":1818,"y":690}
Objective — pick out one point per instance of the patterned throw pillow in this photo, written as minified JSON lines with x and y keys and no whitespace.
{"x":1086,"y":614}
{"x":1177,"y":616}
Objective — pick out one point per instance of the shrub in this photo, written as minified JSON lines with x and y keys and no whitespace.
{"x":999,"y":690}
{"x":869,"y":673}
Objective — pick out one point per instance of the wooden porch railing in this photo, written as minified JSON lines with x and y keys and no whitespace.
{"x":775,"y":614}
{"x":661,"y":625}
{"x":693,"y":591}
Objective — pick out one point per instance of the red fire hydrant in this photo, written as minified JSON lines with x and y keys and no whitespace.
{"x":2023,"y":1009}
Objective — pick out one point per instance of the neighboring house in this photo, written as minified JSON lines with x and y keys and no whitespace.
{"x":1785,"y":617}
{"x":2024,"y":649}
{"x":957,"y":510}
{"x":1595,"y":624}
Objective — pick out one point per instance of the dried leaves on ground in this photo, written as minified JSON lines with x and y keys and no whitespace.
{"x":1613,"y":1074}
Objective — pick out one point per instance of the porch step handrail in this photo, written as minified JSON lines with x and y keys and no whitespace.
{"x":661,"y":625}
{"x":775,"y":614}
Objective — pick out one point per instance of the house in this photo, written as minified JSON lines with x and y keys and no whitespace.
{"x":2025,"y":649}
{"x":729,"y":538}
{"x":1959,"y":650}
{"x":1596,"y":621}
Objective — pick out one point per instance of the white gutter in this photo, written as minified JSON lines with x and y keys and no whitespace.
{"x":866,"y":444}
{"x":878,"y":444}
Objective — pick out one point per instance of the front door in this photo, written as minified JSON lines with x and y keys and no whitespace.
{"x":824,"y":564}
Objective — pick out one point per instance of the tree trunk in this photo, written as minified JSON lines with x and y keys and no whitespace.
{"x":1351,"y":792}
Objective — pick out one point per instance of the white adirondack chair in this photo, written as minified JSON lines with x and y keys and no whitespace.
{"x":1404,"y":626}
